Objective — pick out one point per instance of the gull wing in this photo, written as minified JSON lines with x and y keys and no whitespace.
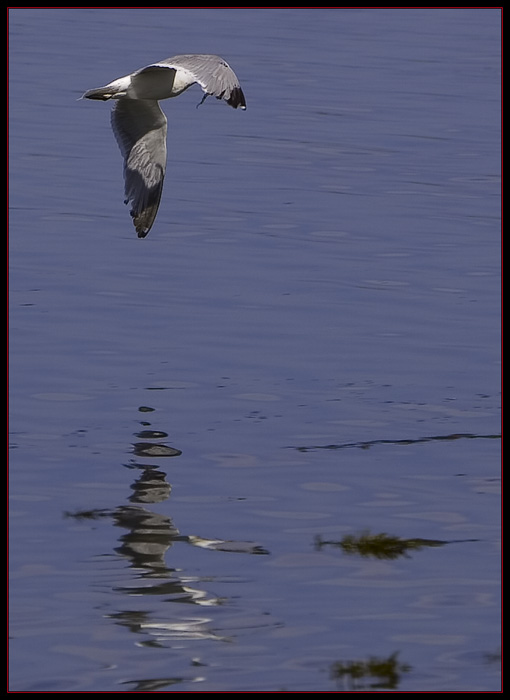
{"x":140,"y":129}
{"x":212,"y":73}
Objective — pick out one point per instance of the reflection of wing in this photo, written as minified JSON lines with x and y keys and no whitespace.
{"x":140,"y":129}
{"x":227,"y":545}
{"x":212,"y":73}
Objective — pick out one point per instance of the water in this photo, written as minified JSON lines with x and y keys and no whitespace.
{"x":305,"y":347}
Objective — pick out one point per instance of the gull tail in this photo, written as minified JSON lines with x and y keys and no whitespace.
{"x":102,"y":93}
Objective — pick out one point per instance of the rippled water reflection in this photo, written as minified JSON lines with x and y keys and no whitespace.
{"x":219,"y":434}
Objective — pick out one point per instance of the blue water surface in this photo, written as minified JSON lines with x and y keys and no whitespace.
{"x":303,"y":353}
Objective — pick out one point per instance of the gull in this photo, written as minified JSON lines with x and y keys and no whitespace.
{"x":140,"y":126}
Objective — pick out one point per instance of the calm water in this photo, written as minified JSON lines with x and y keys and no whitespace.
{"x":216,"y":431}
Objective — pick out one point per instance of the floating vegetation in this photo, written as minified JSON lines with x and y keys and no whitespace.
{"x":374,"y":673}
{"x":379,"y":546}
{"x":493,"y":657}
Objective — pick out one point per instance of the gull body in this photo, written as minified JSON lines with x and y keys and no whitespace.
{"x":140,"y":126}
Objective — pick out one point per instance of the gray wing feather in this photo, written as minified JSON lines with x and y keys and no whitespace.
{"x":140,"y":129}
{"x":212,"y":73}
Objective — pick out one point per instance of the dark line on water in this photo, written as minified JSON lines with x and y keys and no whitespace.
{"x":413,"y":441}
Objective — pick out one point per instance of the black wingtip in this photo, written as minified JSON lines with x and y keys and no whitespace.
{"x":236,"y":99}
{"x":143,"y":221}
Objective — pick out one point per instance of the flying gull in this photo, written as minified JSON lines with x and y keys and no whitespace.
{"x":139,"y":125}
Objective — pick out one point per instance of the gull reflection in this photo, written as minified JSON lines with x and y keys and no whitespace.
{"x":192,"y":628}
{"x":164,"y":631}
{"x":151,"y":487}
{"x":149,"y":449}
{"x":145,"y":543}
{"x":149,"y":537}
{"x":227,"y":545}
